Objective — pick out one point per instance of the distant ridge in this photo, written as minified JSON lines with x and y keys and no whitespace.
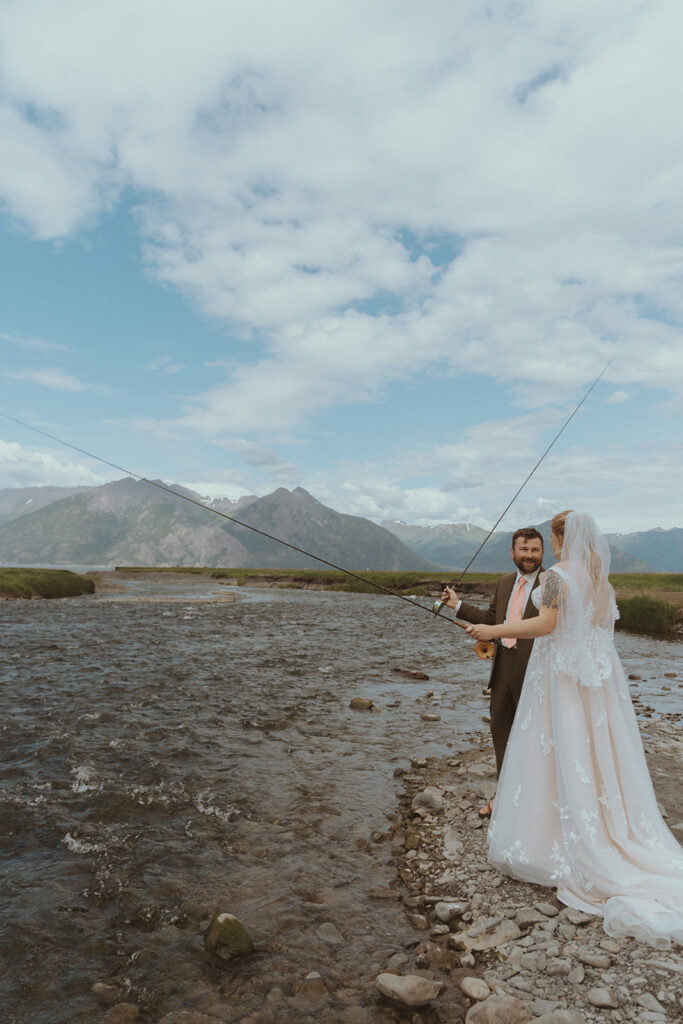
{"x":127,"y":522}
{"x":454,"y":544}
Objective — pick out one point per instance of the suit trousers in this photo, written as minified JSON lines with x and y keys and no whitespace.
{"x":506,"y":689}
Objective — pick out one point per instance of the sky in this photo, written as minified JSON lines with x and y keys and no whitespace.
{"x":378,"y":250}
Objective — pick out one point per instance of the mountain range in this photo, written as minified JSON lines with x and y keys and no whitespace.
{"x":454,"y":545}
{"x":129,"y":522}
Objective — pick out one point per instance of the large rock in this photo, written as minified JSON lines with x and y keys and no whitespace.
{"x":227,"y":937}
{"x":429,"y":801}
{"x":499,"y":1009}
{"x":409,"y":989}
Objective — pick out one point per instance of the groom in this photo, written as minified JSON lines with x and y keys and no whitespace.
{"x":511,"y":602}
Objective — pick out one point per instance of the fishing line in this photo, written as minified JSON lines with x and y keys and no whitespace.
{"x":247,"y":526}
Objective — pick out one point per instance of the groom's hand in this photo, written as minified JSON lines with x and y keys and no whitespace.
{"x":449,"y":597}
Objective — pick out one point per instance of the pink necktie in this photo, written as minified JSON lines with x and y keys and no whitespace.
{"x":516,"y":610}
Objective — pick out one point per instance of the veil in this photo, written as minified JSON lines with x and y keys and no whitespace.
{"x":587,"y":609}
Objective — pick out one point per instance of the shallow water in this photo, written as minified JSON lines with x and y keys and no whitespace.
{"x":164,"y":749}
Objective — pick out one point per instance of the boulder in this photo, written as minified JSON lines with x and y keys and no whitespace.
{"x":227,"y":937}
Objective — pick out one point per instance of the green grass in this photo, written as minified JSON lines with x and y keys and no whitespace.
{"x":43,"y":583}
{"x":667,"y":581}
{"x":646,"y":615}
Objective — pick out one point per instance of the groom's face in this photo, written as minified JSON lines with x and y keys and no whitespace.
{"x":527,"y":554}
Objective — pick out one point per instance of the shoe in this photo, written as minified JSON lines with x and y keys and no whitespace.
{"x":486,"y":810}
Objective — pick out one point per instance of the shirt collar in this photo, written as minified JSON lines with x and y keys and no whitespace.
{"x":530,"y":577}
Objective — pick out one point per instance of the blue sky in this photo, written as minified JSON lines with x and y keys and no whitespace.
{"x":383,"y":266}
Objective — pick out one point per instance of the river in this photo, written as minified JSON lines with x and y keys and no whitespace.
{"x":177,"y":745}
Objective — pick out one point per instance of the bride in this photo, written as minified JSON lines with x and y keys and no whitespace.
{"x":575,"y":807}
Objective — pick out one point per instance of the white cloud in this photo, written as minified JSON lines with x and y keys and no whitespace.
{"x":22,"y":466}
{"x":617,"y":397}
{"x":49,"y":377}
{"x":31,"y":344}
{"x":368,"y":192}
{"x":165,"y":364}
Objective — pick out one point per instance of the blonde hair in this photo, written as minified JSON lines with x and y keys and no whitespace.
{"x":559,"y":522}
{"x":558,"y":525}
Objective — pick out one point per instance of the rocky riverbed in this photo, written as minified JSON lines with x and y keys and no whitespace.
{"x":484,"y":949}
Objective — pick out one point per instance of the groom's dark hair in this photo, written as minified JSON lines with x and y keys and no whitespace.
{"x":529,"y":533}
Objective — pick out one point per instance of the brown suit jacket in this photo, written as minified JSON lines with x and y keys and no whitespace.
{"x":494,"y":615}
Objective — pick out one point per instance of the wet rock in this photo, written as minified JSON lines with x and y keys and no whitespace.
{"x":410,"y":673}
{"x":397,"y":961}
{"x":475,"y":988}
{"x":429,"y":717}
{"x":410,"y":990}
{"x":487,"y":933}
{"x":106,"y":995}
{"x":361,"y":704}
{"x":634,"y":676}
{"x":383,"y":892}
{"x":313,"y":988}
{"x":122,"y":1013}
{"x":601,"y":997}
{"x":227,"y":937}
{"x":429,"y":801}
{"x":328,"y":933}
{"x":499,"y":1009}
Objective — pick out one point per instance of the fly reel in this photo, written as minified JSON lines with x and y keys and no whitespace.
{"x":484,"y":649}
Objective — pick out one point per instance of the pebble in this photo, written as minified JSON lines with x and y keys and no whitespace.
{"x":576,"y":975}
{"x":447,"y":912}
{"x":601,"y":997}
{"x":361,"y":704}
{"x":526,"y":916}
{"x":409,"y":989}
{"x":328,"y":933}
{"x":474,"y":988}
{"x":593,"y":959}
{"x":499,"y":1009}
{"x":648,"y":1001}
{"x":313,"y":987}
{"x":576,"y":917}
{"x":547,"y":908}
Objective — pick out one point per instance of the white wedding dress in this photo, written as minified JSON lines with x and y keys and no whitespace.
{"x":575,"y":807}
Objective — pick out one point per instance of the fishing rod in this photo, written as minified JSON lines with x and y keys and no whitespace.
{"x":483,"y":649}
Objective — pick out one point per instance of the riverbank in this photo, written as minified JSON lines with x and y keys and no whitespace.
{"x":480,"y":934}
{"x":648,"y":602}
{"x":43,"y":583}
